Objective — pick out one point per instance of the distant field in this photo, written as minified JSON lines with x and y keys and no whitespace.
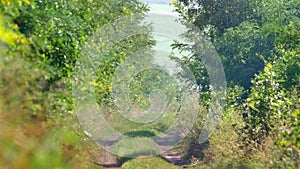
{"x":164,"y":19}
{"x":157,"y":1}
{"x":160,"y":7}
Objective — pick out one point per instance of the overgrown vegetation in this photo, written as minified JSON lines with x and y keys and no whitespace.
{"x":259,"y":45}
{"x":40,"y":43}
{"x":258,"y":42}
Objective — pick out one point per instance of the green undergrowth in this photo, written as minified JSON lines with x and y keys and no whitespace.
{"x":148,"y":163}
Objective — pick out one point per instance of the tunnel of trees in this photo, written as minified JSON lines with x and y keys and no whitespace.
{"x":258,"y":42}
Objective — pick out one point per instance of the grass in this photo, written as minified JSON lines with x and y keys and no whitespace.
{"x":135,"y":147}
{"x":125,"y":126}
{"x":137,"y":140}
{"x":148,"y":163}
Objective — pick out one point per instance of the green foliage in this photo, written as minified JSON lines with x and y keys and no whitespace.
{"x":226,"y":150}
{"x":272,"y":104}
{"x":243,"y":50}
{"x":214,"y":16}
{"x":148,"y":81}
{"x":40,"y":44}
{"x":244,"y":33}
{"x":236,"y":96}
{"x":260,"y":51}
{"x":24,"y":135}
{"x":113,"y":58}
{"x":60,"y":28}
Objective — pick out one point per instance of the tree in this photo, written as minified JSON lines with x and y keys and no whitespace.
{"x":40,"y":42}
{"x":244,"y":33}
{"x":60,"y":28}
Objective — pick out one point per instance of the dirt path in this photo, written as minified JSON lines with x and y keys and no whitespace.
{"x":175,"y":158}
{"x":108,"y":161}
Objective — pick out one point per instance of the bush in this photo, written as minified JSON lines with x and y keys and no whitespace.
{"x":38,"y":52}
